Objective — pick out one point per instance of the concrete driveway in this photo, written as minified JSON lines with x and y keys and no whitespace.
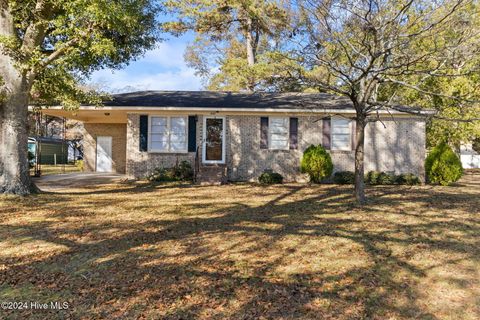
{"x":76,"y":180}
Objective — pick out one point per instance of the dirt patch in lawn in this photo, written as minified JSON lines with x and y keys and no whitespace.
{"x":244,"y":252}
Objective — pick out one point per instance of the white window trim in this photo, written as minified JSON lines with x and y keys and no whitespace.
{"x":270,"y":133}
{"x":150,"y":150}
{"x":348,"y":147}
{"x":204,"y":140}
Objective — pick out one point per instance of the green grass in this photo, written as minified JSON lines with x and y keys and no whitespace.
{"x":244,"y":252}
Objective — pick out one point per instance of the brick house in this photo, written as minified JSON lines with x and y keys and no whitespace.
{"x":237,"y":136}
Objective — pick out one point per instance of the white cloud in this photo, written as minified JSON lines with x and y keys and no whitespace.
{"x":167,"y":55}
{"x":121,"y":80}
{"x":173,"y":73}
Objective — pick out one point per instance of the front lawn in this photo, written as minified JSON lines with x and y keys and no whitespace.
{"x":131,"y":251}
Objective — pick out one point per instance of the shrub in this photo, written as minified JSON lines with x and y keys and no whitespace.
{"x":344,"y":177}
{"x":162,"y":175}
{"x":184,"y":171}
{"x":372,"y":177}
{"x":270,"y":178}
{"x":317,"y":163}
{"x":386,"y":178}
{"x":442,"y":165}
{"x":375,"y":177}
{"x":407,"y":178}
{"x":180,"y":172}
{"x":80,"y":164}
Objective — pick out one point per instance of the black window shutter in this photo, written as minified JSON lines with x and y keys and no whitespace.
{"x":264,"y":133}
{"x":192,"y":133}
{"x":293,"y":133}
{"x":143,"y":143}
{"x":326,"y":136}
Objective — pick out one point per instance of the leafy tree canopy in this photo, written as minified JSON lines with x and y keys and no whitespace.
{"x":47,"y":48}
{"x":239,"y":45}
{"x":58,"y":43}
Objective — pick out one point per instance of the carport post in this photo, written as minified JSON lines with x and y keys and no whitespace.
{"x":63,"y":146}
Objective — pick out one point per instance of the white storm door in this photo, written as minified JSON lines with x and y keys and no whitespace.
{"x":104,"y":154}
{"x":213,"y":140}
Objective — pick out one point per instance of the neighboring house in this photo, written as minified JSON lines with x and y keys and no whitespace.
{"x":469,"y":157}
{"x":238,"y":136}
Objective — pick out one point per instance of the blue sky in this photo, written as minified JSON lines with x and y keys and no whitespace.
{"x":160,"y":69}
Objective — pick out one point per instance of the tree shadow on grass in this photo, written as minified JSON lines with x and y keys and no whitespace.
{"x":247,"y":261}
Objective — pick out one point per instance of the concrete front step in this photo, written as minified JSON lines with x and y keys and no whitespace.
{"x":212,"y":175}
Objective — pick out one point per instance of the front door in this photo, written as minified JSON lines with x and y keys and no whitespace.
{"x":104,"y":154}
{"x":214,"y":140}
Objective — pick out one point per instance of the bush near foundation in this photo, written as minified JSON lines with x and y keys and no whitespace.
{"x":180,"y":172}
{"x":383,"y":178}
{"x":377,"y":178}
{"x":317,"y":163}
{"x":270,"y":178}
{"x":372,"y":177}
{"x":344,"y":177}
{"x":386,"y":178}
{"x":408,"y":179}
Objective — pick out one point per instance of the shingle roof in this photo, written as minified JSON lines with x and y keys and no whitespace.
{"x":214,"y":99}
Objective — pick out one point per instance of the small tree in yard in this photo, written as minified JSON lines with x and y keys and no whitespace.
{"x":46,"y":48}
{"x":443,"y":166}
{"x":371,"y":51}
{"x":317,"y":163}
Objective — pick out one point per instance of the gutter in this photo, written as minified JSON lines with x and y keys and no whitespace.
{"x":425,"y":112}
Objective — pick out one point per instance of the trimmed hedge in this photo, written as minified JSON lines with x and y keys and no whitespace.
{"x":383,"y":178}
{"x":377,"y":178}
{"x":270,"y":178}
{"x":408,"y":179}
{"x":443,"y":166}
{"x":344,"y":177}
{"x":317,"y":163}
{"x":386,"y":178}
{"x":373,"y":177}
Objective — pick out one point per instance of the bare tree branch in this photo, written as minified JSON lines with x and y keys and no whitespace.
{"x":421,"y":113}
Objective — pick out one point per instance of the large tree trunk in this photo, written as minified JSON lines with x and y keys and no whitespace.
{"x":14,"y":168}
{"x":15,"y":86}
{"x":359,"y":159}
{"x":14,"y":94}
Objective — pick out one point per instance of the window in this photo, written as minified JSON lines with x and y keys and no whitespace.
{"x":168,"y":134}
{"x":340,"y":134}
{"x":278,"y":133}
